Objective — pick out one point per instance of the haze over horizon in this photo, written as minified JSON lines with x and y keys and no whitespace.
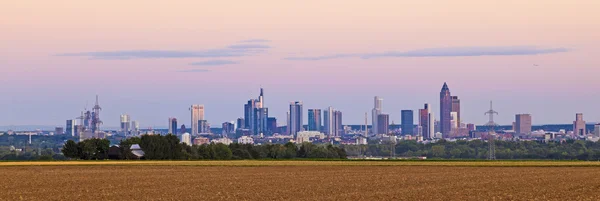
{"x":153,"y":59}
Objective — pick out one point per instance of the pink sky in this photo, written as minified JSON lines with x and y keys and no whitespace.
{"x":41,"y":87}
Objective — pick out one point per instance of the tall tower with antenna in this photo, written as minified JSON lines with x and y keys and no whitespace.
{"x":491,"y":133}
{"x":96,"y":118}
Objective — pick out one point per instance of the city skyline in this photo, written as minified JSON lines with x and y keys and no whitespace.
{"x":528,"y":57}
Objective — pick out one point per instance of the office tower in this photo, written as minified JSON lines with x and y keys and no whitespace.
{"x":424,"y":120}
{"x":256,"y":115}
{"x":296,"y":118}
{"x":203,"y":126}
{"x":125,"y":123}
{"x":197,"y":112}
{"x":70,"y":128}
{"x":328,"y":122}
{"x":431,"y":126}
{"x":271,"y":125}
{"x":407,"y":122}
{"x":240,"y":123}
{"x":453,"y":120}
{"x":288,"y":123}
{"x":522,"y":124}
{"x":59,"y":131}
{"x":337,"y":124}
{"x":378,"y":104}
{"x":314,"y":120}
{"x":456,"y":108}
{"x":597,"y":130}
{"x":135,"y":127}
{"x":227,"y":128}
{"x":183,"y":129}
{"x":579,"y":125}
{"x":445,"y":110}
{"x":173,"y":126}
{"x":186,"y":138}
{"x":383,"y":122}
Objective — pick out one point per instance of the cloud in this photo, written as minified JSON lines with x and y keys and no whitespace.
{"x":194,"y":71}
{"x":237,"y":50}
{"x":255,"y":41}
{"x":214,"y":63}
{"x":445,"y":52}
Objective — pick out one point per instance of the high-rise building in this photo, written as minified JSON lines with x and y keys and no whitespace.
{"x":186,"y":138}
{"x":296,"y":117}
{"x":256,"y":115}
{"x":173,"y":126}
{"x":579,"y":125}
{"x":445,"y":111}
{"x":135,"y":127}
{"x":272,"y":125}
{"x":314,"y":120}
{"x":407,"y":122}
{"x":383,"y":122}
{"x":197,"y":112}
{"x":427,"y":121}
{"x":523,"y":124}
{"x":597,"y":130}
{"x":70,"y":127}
{"x":183,"y":129}
{"x":456,"y":108}
{"x":203,"y":126}
{"x":431,"y":126}
{"x":125,"y":123}
{"x":59,"y":131}
{"x":337,"y":124}
{"x":330,"y":125}
{"x":378,"y":104}
{"x":227,"y":128}
{"x":453,"y":120}
{"x":240,"y":123}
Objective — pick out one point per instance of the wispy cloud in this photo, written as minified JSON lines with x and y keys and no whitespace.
{"x":445,"y":52}
{"x":255,"y":41}
{"x":214,"y":63}
{"x":236,"y":50}
{"x":194,"y":71}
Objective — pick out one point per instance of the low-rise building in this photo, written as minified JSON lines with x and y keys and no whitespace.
{"x":309,"y":136}
{"x":245,"y":140}
{"x":201,"y":141}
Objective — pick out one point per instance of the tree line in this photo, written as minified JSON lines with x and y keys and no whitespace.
{"x":478,"y":149}
{"x":168,"y":147}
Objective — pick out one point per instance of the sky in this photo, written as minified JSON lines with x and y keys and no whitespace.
{"x":153,"y":59}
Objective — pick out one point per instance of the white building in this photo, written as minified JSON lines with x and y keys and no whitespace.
{"x":378,"y":103}
{"x":453,"y":120}
{"x":197,"y":112}
{"x":245,"y":140}
{"x":304,"y":136}
{"x":225,"y":141}
{"x":186,"y":138}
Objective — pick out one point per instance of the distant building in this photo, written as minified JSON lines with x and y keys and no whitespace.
{"x":597,"y":130}
{"x":203,"y":126}
{"x":197,"y":113}
{"x":332,"y":123}
{"x":135,"y":127}
{"x":125,"y":123}
{"x":309,"y":136}
{"x":255,"y":115}
{"x":245,"y":140}
{"x":456,"y":108}
{"x":407,"y":122}
{"x":173,"y":126}
{"x":579,"y":125}
{"x":240,"y":124}
{"x":59,"y":131}
{"x":272,"y":125}
{"x":225,"y":141}
{"x":378,"y":107}
{"x":183,"y":129}
{"x":383,"y":121}
{"x":227,"y":128}
{"x":453,"y":120}
{"x":337,"y":122}
{"x":186,"y":138}
{"x":296,"y":118}
{"x":471,"y":127}
{"x":445,"y":110}
{"x":201,"y":141}
{"x":314,"y":119}
{"x":70,"y":128}
{"x":523,"y":124}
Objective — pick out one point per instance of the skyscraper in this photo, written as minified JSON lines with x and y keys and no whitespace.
{"x":579,"y":125}
{"x":383,"y":123}
{"x":197,"y":112}
{"x":296,"y":118}
{"x":427,"y":121}
{"x":203,"y":126}
{"x":125,"y":123}
{"x":135,"y":127}
{"x":456,"y":108}
{"x":328,"y":122}
{"x":337,"y":124}
{"x":597,"y":130}
{"x":272,"y":125}
{"x":407,"y":122}
{"x":70,"y":127}
{"x":314,"y":120}
{"x":256,"y":115}
{"x":445,"y":110}
{"x":183,"y":129}
{"x":523,"y":124}
{"x":378,"y":104}
{"x":227,"y":128}
{"x":173,"y":126}
{"x":240,"y":123}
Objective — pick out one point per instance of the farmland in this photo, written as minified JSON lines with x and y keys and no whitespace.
{"x":300,"y":180}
